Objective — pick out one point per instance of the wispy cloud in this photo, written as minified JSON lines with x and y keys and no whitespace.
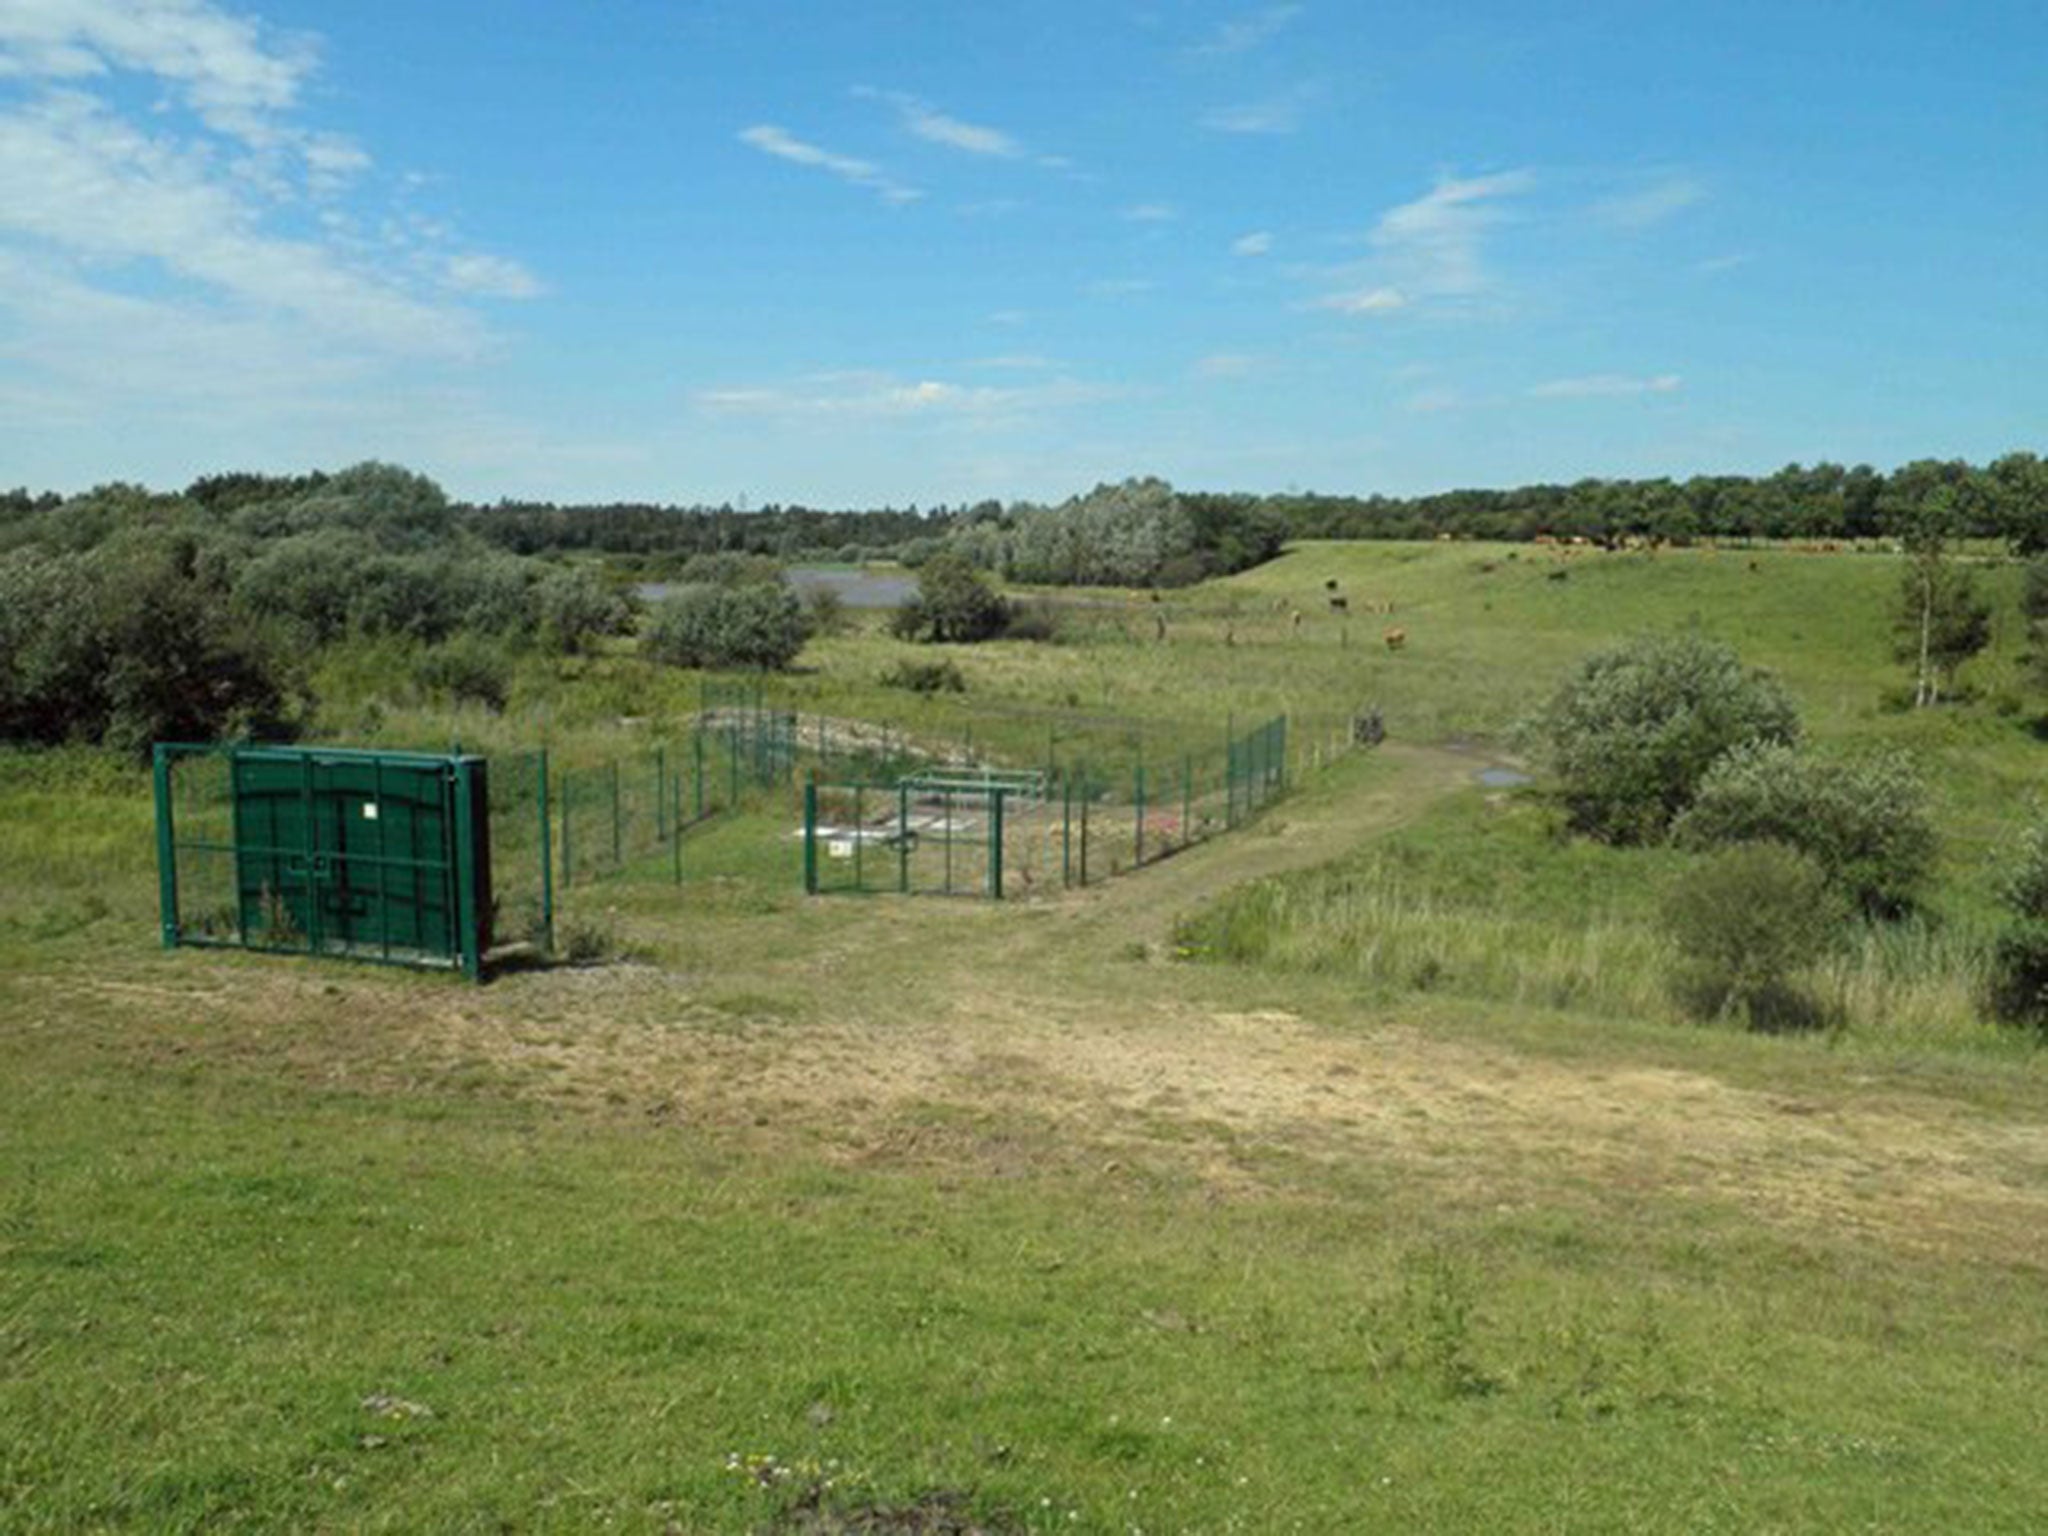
{"x":1258,"y":243}
{"x":1651,"y":204}
{"x":935,"y":127}
{"x":1433,"y":243}
{"x":1363,"y":301}
{"x":772,"y":140}
{"x":1267,"y":114}
{"x":1726,"y":263}
{"x":1244,"y":33}
{"x":1225,"y":365}
{"x":492,"y":277}
{"x":876,"y":394}
{"x":1427,"y":254}
{"x":1601,"y":386}
{"x":1151,"y":213}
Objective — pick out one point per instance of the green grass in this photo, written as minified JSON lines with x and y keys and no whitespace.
{"x":235,"y":1303}
{"x":1425,"y":1213}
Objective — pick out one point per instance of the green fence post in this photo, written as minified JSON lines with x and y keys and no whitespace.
{"x":732,"y":763}
{"x":949,"y":840}
{"x":859,"y":825}
{"x":660,"y":794}
{"x":675,"y":826}
{"x":166,"y":850}
{"x":697,"y":771}
{"x":617,"y":860}
{"x":465,"y":878}
{"x":547,"y":862}
{"x":811,"y":838}
{"x":995,"y":846}
{"x":903,"y":839}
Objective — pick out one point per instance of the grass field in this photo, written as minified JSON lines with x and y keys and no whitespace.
{"x":1408,"y":1206}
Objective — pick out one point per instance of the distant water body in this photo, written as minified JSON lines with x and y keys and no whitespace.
{"x":856,"y":588}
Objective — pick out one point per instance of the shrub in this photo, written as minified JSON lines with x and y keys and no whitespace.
{"x":1864,"y":822}
{"x":468,"y":669}
{"x":1743,"y":922}
{"x":926,"y":677}
{"x":2019,"y":961}
{"x":1631,"y":733}
{"x":954,"y":603}
{"x":752,"y":625}
{"x":576,"y":606}
{"x":826,"y":610}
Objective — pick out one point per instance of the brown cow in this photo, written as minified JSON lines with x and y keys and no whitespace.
{"x":1395,"y":638}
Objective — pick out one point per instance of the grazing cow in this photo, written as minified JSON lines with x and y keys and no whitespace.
{"x":1395,"y":638}
{"x":1329,"y":583}
{"x":1340,"y":605}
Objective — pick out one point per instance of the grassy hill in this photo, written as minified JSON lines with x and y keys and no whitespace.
{"x":1414,"y":1210}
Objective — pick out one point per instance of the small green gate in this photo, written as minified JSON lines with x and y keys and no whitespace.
{"x":326,"y":850}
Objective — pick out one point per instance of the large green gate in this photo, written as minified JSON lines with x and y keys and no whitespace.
{"x":380,"y":855}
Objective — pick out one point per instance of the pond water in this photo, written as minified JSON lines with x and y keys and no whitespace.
{"x":856,"y":586}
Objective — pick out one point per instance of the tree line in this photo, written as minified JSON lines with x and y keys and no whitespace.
{"x":2006,"y":499}
{"x":129,"y":616}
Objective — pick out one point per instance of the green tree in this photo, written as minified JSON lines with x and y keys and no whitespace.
{"x":953,"y":604}
{"x":1630,"y":734}
{"x":1864,"y":822}
{"x":1742,"y":923}
{"x":751,"y":625}
{"x":2018,"y":989}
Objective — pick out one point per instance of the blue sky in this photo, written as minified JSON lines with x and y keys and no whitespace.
{"x":849,"y":254}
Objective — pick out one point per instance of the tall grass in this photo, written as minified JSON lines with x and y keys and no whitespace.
{"x":1491,"y":905}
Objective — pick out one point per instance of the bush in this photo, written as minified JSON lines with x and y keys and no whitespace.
{"x":1744,"y":922}
{"x":1865,"y":823}
{"x":2019,"y":961}
{"x":468,"y":669}
{"x":926,"y":677}
{"x":1632,"y":732}
{"x":954,"y":603}
{"x":576,"y":606}
{"x":752,"y":625}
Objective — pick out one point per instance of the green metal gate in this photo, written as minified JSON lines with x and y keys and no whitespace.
{"x":379,"y":855}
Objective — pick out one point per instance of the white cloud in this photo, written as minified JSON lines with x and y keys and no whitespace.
{"x":1598,"y":386}
{"x":937,"y":127}
{"x":190,"y":265}
{"x":1225,"y":365}
{"x":78,"y":176}
{"x":1650,"y":205}
{"x":1248,"y":32}
{"x":1364,"y":301}
{"x":491,"y":277}
{"x":1151,"y":213}
{"x":1427,"y":254}
{"x":1257,"y":243}
{"x":1269,"y":114}
{"x":876,"y":395}
{"x":1726,"y":263}
{"x":771,"y":140}
{"x":1433,"y":243}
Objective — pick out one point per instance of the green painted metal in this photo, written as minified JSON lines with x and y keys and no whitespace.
{"x":811,"y":838}
{"x":377,"y":855}
{"x":995,"y":846}
{"x":547,"y":861}
{"x":166,"y":850}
